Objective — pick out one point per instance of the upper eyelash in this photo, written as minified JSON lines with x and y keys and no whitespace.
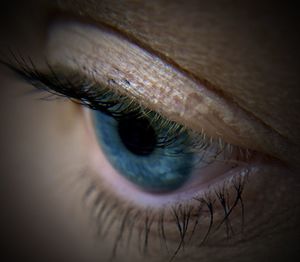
{"x":85,"y":92}
{"x":82,"y":90}
{"x":89,"y":94}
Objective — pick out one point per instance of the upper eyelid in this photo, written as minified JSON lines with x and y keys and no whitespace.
{"x":125,"y":82}
{"x":247,"y":119}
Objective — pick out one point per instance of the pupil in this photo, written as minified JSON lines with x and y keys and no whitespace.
{"x":137,"y":135}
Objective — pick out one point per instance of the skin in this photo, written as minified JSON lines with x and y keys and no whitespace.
{"x":246,"y":54}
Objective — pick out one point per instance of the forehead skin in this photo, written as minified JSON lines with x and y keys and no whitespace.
{"x":247,"y":52}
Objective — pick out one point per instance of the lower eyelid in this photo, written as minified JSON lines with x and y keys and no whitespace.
{"x":111,"y":210}
{"x":120,"y":205}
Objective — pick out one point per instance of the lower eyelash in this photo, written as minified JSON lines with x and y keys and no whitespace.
{"x":184,"y":217}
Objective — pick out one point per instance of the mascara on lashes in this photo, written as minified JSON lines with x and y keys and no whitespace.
{"x":173,"y":142}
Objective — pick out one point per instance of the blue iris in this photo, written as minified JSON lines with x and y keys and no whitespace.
{"x":132,"y":147}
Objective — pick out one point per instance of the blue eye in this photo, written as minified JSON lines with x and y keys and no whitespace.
{"x":136,"y":149}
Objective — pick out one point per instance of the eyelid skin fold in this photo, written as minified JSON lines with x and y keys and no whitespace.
{"x":123,"y":66}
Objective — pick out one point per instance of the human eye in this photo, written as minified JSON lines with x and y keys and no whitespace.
{"x":169,"y":158}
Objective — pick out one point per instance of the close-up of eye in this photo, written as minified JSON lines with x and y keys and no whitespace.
{"x":150,"y":132}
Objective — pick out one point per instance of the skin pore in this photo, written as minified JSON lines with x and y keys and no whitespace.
{"x":241,"y":52}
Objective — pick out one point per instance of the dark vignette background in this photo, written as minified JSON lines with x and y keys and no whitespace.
{"x":40,"y":243}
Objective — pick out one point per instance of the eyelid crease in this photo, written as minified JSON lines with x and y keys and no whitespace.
{"x":68,"y":16}
{"x":107,"y":58}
